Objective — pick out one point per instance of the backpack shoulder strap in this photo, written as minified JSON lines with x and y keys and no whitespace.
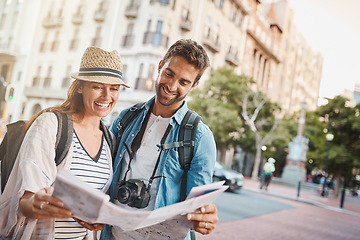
{"x":187,"y":136}
{"x":107,"y":135}
{"x":9,"y":149}
{"x":125,"y":121}
{"x":64,"y":136}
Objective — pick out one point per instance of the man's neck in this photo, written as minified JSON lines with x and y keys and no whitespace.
{"x":165,"y":111}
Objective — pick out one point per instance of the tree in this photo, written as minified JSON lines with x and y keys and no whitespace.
{"x":342,"y":121}
{"x":262,"y":127}
{"x":219,"y":104}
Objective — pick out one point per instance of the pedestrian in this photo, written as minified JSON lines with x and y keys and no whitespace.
{"x":269,"y":168}
{"x":27,"y":208}
{"x":178,"y":73}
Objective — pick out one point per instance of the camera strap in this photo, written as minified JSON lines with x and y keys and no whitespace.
{"x":136,"y":145}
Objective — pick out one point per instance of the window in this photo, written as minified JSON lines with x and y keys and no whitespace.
{"x":55,"y":43}
{"x":157,"y":36}
{"x":43,"y":43}
{"x":47,"y":81}
{"x":220,"y":3}
{"x":75,"y":41}
{"x":36,"y":79}
{"x":138,"y":79}
{"x":66,"y":80}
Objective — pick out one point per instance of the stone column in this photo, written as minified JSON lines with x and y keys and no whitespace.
{"x":295,"y":168}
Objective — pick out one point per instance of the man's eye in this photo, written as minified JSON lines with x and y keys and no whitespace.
{"x":114,"y":89}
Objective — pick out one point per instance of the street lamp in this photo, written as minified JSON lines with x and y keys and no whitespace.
{"x":329,"y":138}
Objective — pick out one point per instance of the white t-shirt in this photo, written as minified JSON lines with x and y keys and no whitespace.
{"x":143,"y":164}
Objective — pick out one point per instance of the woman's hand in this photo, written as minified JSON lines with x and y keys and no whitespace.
{"x":90,"y":226}
{"x":205,"y":221}
{"x":42,"y":205}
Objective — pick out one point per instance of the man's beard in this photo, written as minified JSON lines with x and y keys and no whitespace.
{"x":162,"y":100}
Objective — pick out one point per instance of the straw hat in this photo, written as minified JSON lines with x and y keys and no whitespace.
{"x":100,"y":66}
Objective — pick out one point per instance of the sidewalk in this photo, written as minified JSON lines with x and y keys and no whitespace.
{"x":307,"y":195}
{"x":312,"y":217}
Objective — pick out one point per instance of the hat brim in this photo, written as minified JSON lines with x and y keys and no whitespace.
{"x":100,"y":79}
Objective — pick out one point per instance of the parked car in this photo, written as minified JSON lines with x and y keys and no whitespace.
{"x":234,"y":179}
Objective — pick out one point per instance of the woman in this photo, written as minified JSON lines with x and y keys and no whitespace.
{"x":27,"y":209}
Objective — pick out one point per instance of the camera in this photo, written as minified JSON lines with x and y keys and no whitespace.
{"x":133,"y":192}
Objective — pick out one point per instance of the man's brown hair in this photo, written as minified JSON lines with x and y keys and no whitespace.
{"x":193,"y":52}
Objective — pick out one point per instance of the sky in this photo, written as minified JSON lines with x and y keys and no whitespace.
{"x":332,"y":27}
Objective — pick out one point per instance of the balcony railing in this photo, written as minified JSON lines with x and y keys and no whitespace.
{"x":99,"y":15}
{"x":52,"y":22}
{"x":212,"y":44}
{"x":185,"y":25}
{"x":77,"y":19}
{"x":131,"y":11}
{"x":128,"y":40}
{"x":232,"y":59}
{"x":156,"y":39}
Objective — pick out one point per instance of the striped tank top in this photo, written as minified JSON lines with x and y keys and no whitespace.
{"x":95,"y":172}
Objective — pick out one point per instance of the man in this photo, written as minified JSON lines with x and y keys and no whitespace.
{"x":269,"y":168}
{"x":179,"y":72}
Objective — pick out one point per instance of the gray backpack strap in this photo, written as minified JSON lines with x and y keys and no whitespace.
{"x":125,"y":121}
{"x":187,"y":136}
{"x":64,"y":136}
{"x":107,"y":135}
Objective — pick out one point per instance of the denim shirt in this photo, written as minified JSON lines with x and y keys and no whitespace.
{"x":169,"y":188}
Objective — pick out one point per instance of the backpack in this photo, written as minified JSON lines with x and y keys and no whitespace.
{"x":15,"y":134}
{"x":186,"y":137}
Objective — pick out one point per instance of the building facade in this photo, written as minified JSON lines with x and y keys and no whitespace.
{"x":42,"y":42}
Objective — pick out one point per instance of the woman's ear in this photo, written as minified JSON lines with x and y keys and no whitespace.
{"x":80,"y":90}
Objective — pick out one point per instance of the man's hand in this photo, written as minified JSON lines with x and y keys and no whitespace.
{"x":205,"y":221}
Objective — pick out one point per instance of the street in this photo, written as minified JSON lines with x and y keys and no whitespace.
{"x":250,"y":215}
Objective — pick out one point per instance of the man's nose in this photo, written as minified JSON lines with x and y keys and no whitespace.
{"x":172,"y":85}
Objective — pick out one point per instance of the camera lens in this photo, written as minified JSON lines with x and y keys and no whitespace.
{"x":124,"y":195}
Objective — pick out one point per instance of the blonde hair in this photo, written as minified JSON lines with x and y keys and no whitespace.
{"x":73,"y":103}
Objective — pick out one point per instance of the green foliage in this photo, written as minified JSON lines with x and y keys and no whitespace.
{"x":342,"y":121}
{"x":218,"y":103}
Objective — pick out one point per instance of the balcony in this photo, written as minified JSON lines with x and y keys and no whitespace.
{"x":156,"y":39}
{"x":52,"y":22}
{"x":212,"y":44}
{"x":128,"y":40}
{"x":99,"y":15}
{"x":47,"y":93}
{"x":232,"y":59}
{"x":131,"y":11}
{"x":185,"y":25}
{"x":77,"y":19}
